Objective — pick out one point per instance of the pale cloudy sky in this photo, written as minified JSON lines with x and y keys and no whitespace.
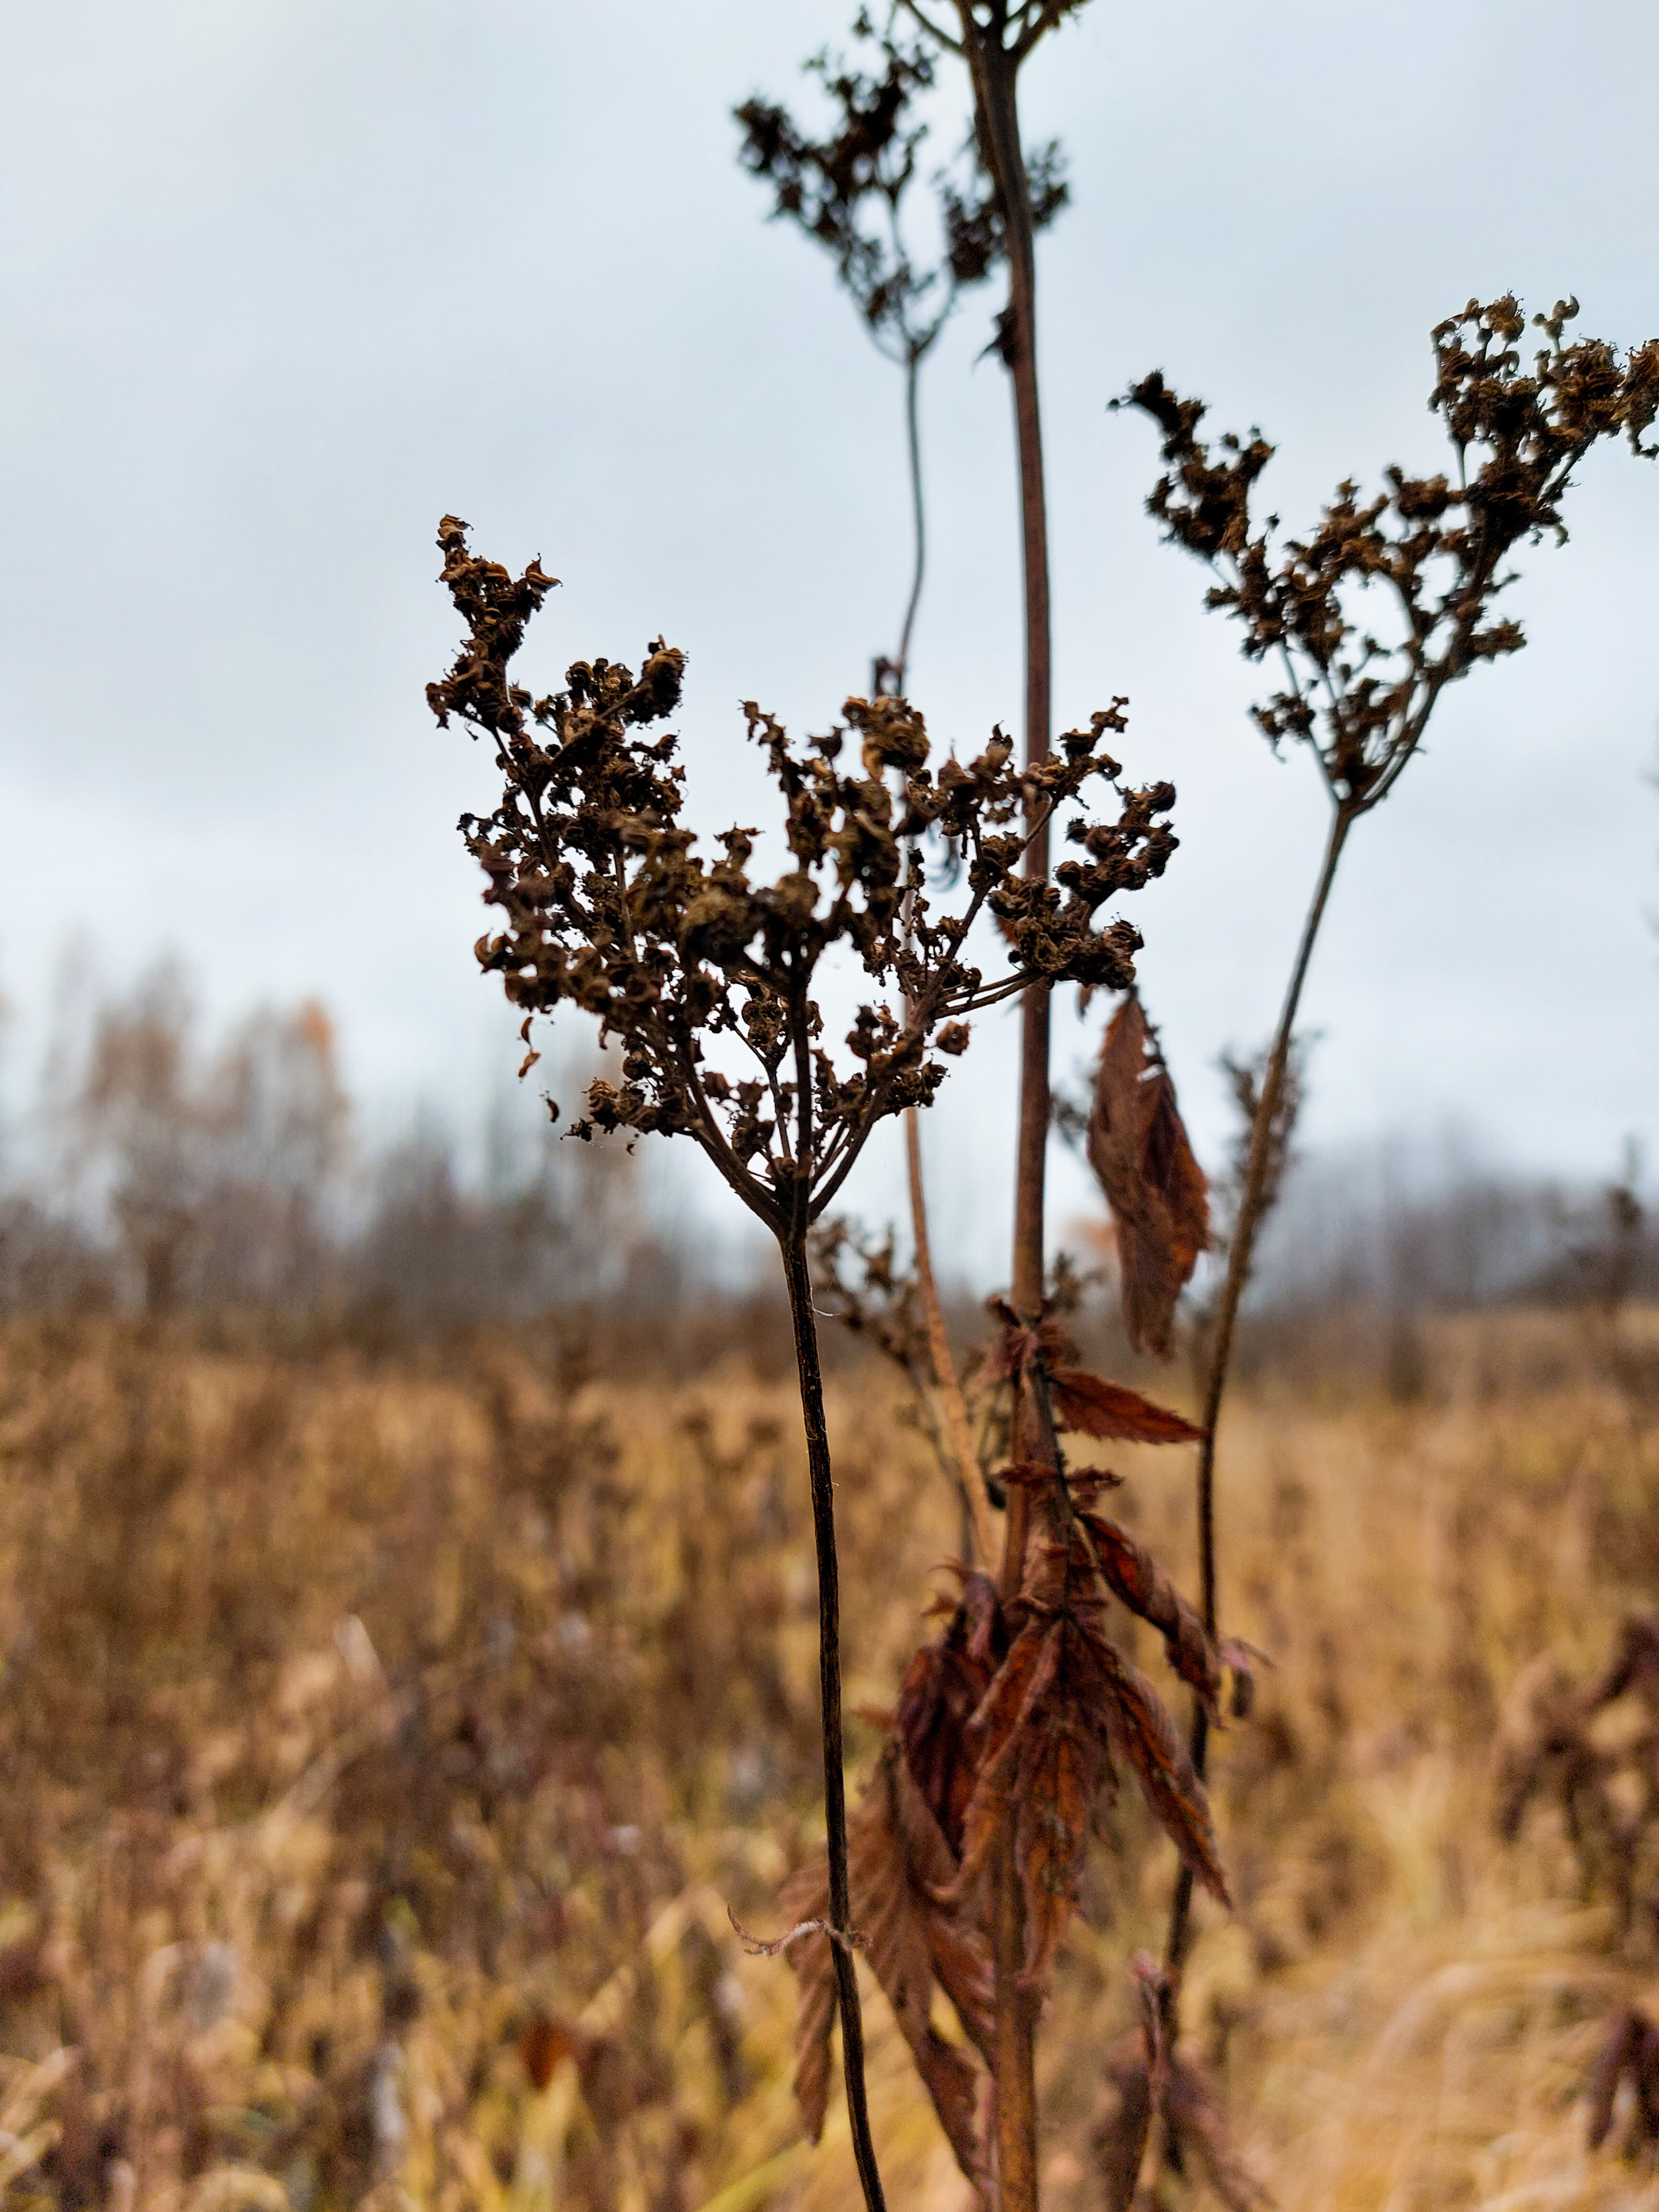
{"x":282,"y":280}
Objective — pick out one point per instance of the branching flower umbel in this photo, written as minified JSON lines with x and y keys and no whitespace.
{"x":1436,"y":547}
{"x":607,"y":905}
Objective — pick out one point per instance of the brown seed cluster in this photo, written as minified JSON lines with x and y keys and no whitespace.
{"x":608,"y":905}
{"x":1360,"y":692}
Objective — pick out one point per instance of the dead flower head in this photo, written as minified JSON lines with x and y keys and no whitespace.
{"x":607,"y":904}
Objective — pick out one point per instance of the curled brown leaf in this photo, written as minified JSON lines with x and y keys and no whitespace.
{"x":1139,"y":1149}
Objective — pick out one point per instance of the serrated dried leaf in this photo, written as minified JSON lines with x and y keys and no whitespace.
{"x":943,"y":1688}
{"x":1063,"y":1770}
{"x":1139,"y":1149}
{"x":1012,"y":1703}
{"x":1135,"y":1577}
{"x":898,"y":1864}
{"x":1142,"y":1732}
{"x":1090,"y":1405}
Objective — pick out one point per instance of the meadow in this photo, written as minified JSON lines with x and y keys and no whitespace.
{"x":390,"y":1735}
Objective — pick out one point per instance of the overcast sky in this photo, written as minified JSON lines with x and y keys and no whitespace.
{"x":281,"y":281}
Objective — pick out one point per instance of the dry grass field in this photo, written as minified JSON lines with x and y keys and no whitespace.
{"x":387,"y":1739}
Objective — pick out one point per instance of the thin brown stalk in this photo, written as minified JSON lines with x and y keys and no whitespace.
{"x":810,"y":1375}
{"x":918,"y":510}
{"x":1251,"y":1210}
{"x":994,"y":72}
{"x":958,"y":1428}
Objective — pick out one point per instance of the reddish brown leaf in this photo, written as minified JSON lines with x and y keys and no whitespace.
{"x":943,"y":1688}
{"x":1136,"y":1578}
{"x":1160,"y":1203}
{"x":1063,"y":1771}
{"x":806,"y":1896}
{"x":1631,"y":2049}
{"x":541,"y":2045}
{"x":1094,"y":1407}
{"x":1141,"y":1730}
{"x":1010,"y":1705}
{"x":898,"y":1863}
{"x":1194,"y":2128}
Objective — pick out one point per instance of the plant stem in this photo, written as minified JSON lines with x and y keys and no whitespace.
{"x":1251,"y":1209}
{"x":995,"y":70}
{"x":912,"y":439}
{"x":958,"y":1429}
{"x":810,"y":1375}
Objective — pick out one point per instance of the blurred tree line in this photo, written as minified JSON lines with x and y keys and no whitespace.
{"x":160,"y":1171}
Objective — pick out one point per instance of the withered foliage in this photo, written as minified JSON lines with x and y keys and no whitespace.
{"x":607,"y":905}
{"x":1085,"y":1404}
{"x":1245,"y":1079}
{"x":1139,"y":1150}
{"x":1022,"y":1714}
{"x":1630,"y":2053}
{"x":902,"y":1871}
{"x":863,"y":1286}
{"x":1162,"y":2095}
{"x":1606,"y":1791}
{"x":847,"y":191}
{"x":1435,"y":546}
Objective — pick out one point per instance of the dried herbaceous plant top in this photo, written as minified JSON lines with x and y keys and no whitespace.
{"x":607,"y":904}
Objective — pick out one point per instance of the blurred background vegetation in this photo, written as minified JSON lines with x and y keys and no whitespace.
{"x":407,"y":1631}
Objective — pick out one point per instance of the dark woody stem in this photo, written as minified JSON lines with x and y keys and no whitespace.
{"x":793,"y":1249}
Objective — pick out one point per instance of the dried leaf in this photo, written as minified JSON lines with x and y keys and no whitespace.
{"x":1143,"y":1733}
{"x":1063,"y":1770}
{"x":899,"y":1863}
{"x":1065,"y":1702}
{"x":1120,"y":2141}
{"x":1012,"y":1702}
{"x":943,"y":1686}
{"x":1154,"y":2081}
{"x":1192,"y":2121}
{"x":1139,"y":1149}
{"x":1632,"y":2049}
{"x":1135,"y":1577}
{"x":1092,"y":1406}
{"x":806,"y":1896}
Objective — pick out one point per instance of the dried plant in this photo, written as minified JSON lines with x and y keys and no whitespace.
{"x":1137,"y":1147}
{"x":1013,"y":1728}
{"x":1360,"y":692}
{"x":1165,"y":2099}
{"x":847,"y":193}
{"x":1605,"y":1786}
{"x":608,"y":907}
{"x":1631,"y":2053}
{"x":1606,"y":1791}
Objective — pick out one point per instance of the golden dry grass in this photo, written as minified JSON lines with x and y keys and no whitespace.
{"x":359,"y":1717}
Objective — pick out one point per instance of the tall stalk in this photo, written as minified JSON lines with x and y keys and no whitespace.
{"x":810,"y":1372}
{"x":1252,"y":1210}
{"x":993,"y":68}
